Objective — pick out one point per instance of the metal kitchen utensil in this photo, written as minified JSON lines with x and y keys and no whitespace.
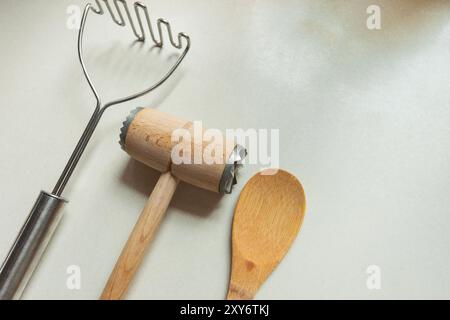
{"x":45,"y":214}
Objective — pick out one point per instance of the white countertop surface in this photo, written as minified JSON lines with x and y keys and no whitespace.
{"x":364,"y":123}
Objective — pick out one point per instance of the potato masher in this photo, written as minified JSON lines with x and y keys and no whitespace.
{"x":45,"y":214}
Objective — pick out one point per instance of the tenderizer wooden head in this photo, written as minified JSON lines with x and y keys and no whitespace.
{"x":148,"y":136}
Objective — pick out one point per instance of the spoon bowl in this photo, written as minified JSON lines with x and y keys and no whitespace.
{"x":267,"y":219}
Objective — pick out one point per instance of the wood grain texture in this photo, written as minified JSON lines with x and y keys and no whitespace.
{"x":267,"y":219}
{"x":143,"y":232}
{"x":150,"y":139}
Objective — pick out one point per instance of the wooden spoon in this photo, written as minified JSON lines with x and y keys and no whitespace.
{"x":267,"y":219}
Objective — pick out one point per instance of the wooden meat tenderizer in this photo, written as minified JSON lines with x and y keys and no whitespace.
{"x":147,"y":137}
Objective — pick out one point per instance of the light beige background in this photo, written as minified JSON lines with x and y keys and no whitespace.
{"x":364,"y":123}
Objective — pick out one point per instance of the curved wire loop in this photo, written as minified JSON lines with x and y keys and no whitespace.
{"x":118,"y":16}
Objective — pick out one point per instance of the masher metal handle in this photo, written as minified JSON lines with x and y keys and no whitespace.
{"x":29,"y":246}
{"x":143,"y":232}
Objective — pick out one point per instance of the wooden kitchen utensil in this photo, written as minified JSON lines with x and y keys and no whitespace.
{"x":267,"y":219}
{"x":147,"y":135}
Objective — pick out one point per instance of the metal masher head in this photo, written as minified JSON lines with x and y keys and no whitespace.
{"x":121,"y":14}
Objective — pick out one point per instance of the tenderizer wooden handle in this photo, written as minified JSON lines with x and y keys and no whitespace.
{"x":140,"y":238}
